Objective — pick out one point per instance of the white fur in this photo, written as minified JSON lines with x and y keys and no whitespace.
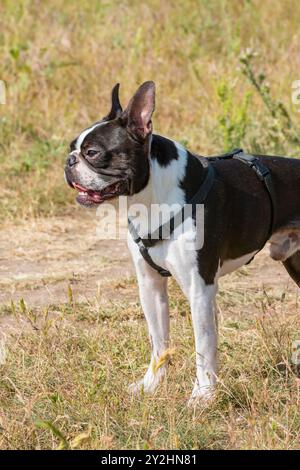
{"x":154,"y":300}
{"x":88,"y":178}
{"x":232,"y":264}
{"x":172,"y":254}
{"x":162,"y":188}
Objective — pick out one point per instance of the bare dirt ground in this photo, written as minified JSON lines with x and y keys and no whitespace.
{"x":40,"y":260}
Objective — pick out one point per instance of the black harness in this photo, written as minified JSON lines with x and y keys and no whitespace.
{"x":201,"y":195}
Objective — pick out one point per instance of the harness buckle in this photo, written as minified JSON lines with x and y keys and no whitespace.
{"x":262,"y":172}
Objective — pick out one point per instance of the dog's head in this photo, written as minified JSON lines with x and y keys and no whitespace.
{"x":111,"y":158}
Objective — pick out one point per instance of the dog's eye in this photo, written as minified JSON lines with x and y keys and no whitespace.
{"x":92,"y":153}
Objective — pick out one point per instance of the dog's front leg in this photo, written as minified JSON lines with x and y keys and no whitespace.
{"x":154,"y":300}
{"x":202,"y":301}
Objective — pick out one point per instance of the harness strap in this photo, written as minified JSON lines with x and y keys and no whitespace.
{"x":166,"y":229}
{"x":162,"y":232}
{"x":262,"y":172}
{"x":265,"y":176}
{"x":144,"y":250}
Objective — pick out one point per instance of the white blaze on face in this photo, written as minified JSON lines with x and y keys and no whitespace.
{"x":83,"y":135}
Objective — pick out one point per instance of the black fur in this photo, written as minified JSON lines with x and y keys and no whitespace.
{"x":163,"y":150}
{"x":237,"y":210}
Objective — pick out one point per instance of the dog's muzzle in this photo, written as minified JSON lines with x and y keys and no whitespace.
{"x":110,"y":185}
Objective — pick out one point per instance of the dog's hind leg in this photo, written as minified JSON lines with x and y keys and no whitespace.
{"x":284,"y":246}
{"x":292,"y":265}
{"x":154,"y":300}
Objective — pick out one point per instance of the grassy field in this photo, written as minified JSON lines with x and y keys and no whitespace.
{"x":60,"y":61}
{"x":224,"y":71}
{"x":68,"y":366}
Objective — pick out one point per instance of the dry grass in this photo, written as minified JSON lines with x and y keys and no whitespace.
{"x":59,"y":62}
{"x":65,"y":379}
{"x":68,"y":365}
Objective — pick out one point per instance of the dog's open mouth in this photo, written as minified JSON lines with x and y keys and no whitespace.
{"x":90,"y":197}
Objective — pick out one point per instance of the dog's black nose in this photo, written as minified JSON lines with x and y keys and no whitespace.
{"x":72,"y":160}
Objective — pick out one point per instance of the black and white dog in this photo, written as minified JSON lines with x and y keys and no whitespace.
{"x":120,"y":155}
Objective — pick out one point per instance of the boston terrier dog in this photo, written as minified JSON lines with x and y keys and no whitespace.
{"x":121,"y":156}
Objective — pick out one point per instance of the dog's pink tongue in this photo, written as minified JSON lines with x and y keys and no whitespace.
{"x":79,"y":187}
{"x":96,"y":197}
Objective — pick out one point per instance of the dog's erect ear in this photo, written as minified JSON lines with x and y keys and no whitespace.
{"x":140,"y":109}
{"x":116,"y":108}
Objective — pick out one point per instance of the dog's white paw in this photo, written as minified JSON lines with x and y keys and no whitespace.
{"x":201,"y":396}
{"x":149,"y":383}
{"x":136,"y":388}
